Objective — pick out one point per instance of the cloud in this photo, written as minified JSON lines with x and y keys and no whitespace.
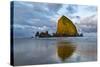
{"x":71,"y":9}
{"x":88,"y":24}
{"x":91,"y":8}
{"x":30,"y":17}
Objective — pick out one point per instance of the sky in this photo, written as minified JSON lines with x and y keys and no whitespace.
{"x":30,"y":17}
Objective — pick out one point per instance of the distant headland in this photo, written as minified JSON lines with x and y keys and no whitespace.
{"x":65,"y":28}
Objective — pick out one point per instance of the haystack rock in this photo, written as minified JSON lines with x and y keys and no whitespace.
{"x":65,"y":27}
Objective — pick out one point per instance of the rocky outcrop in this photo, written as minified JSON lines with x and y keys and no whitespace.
{"x":65,"y":27}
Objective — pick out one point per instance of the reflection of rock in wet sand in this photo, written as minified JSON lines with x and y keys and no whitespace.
{"x":65,"y":50}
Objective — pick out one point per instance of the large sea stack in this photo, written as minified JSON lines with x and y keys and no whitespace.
{"x":65,"y":27}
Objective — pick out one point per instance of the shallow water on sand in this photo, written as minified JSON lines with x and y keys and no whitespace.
{"x":28,"y":51}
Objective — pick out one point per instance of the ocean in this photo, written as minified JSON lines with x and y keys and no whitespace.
{"x":32,"y":51}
